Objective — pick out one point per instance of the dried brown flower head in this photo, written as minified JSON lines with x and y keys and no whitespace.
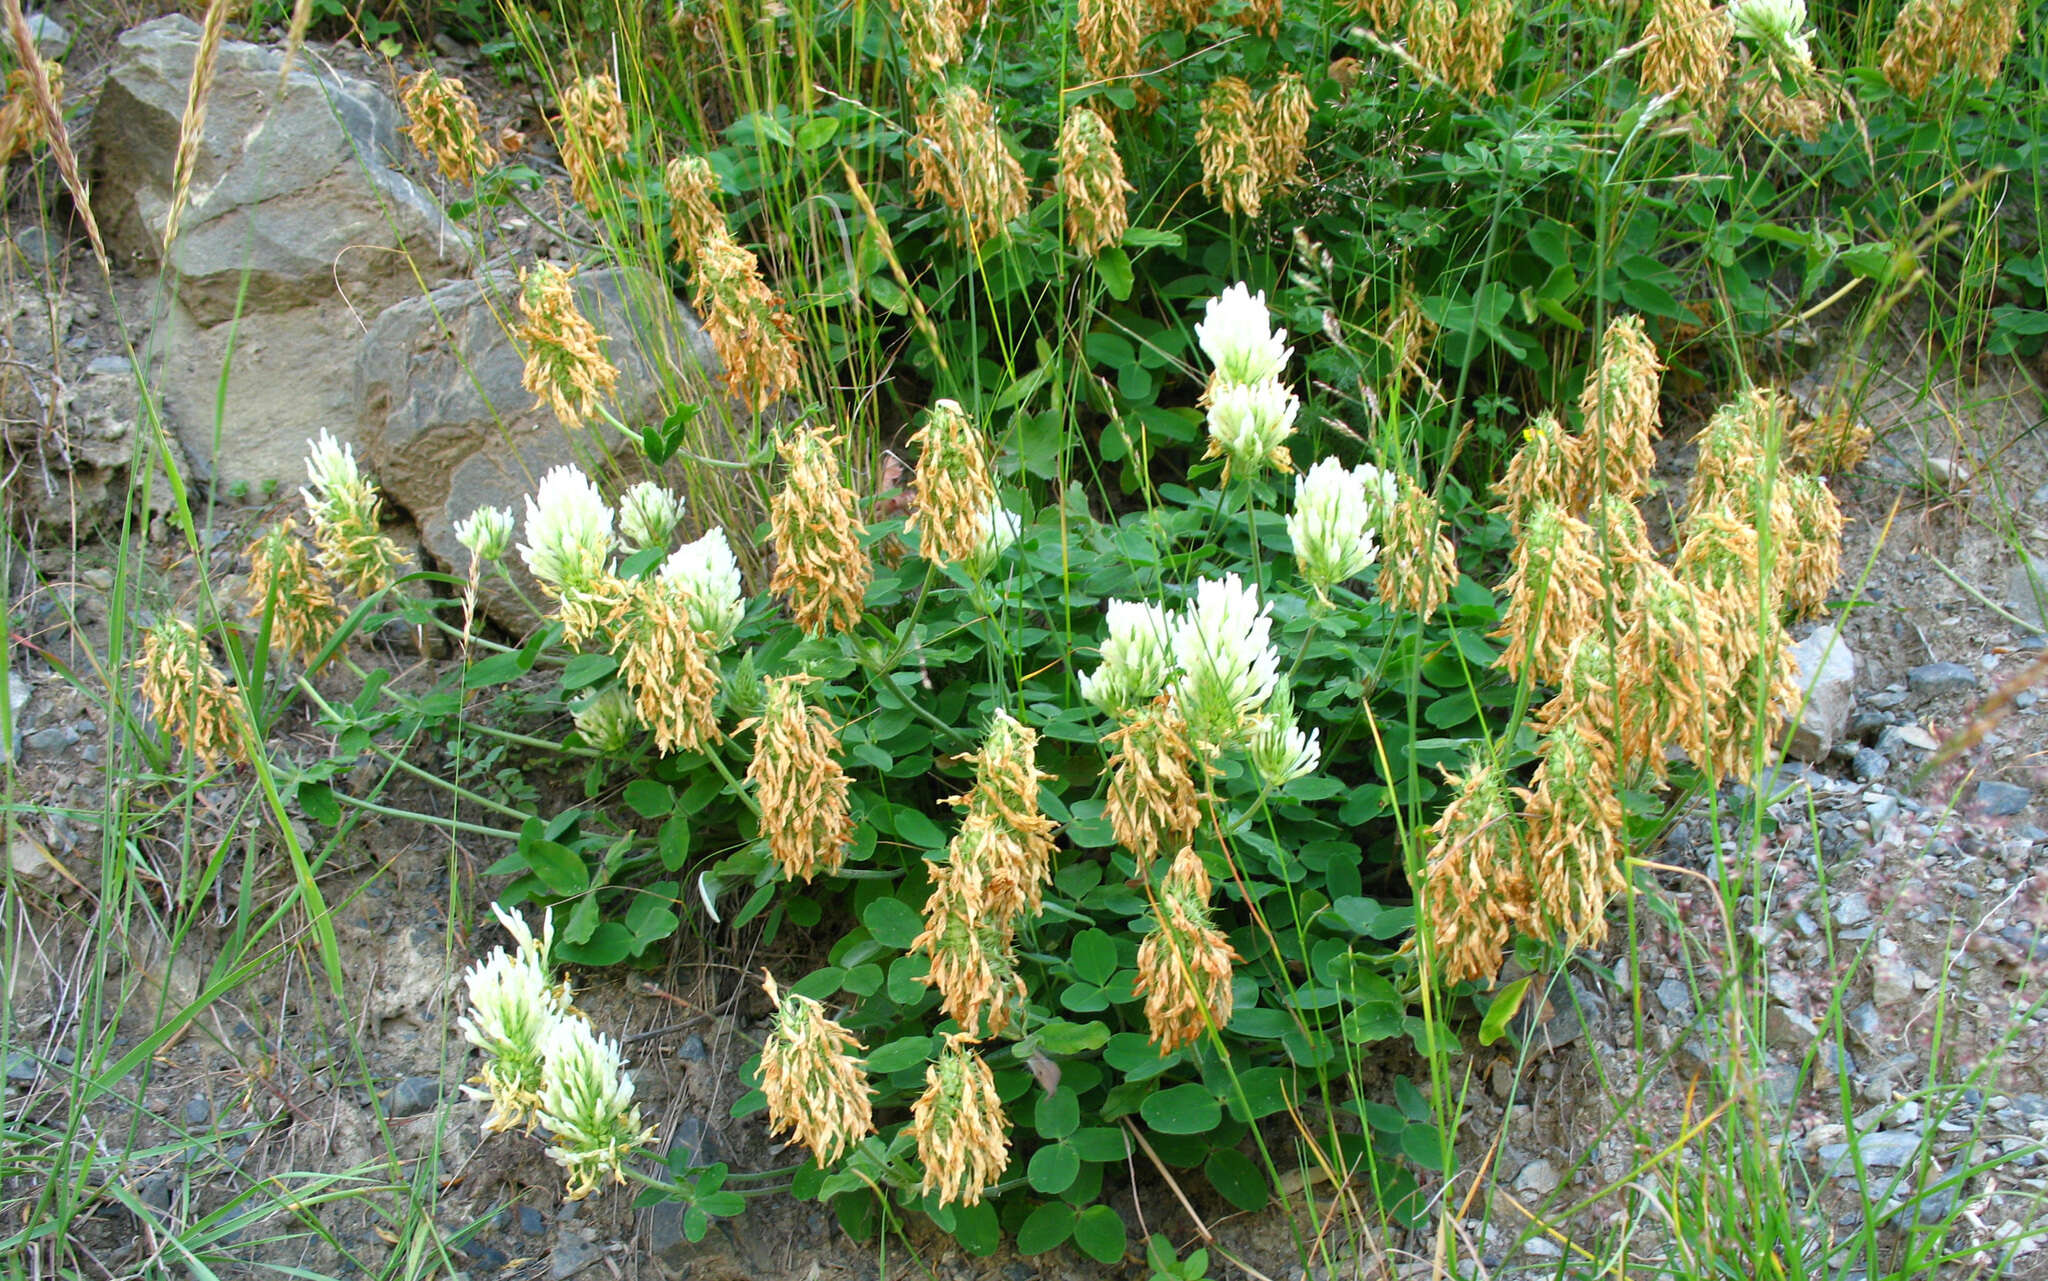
{"x":952,"y":484}
{"x":1475,"y":892}
{"x":1550,"y":467}
{"x":668,"y":664}
{"x":694,"y":213}
{"x":1184,"y":964}
{"x":1189,"y":14}
{"x":1667,"y":667}
{"x":1284,"y":113}
{"x":1432,"y":30}
{"x":1775,"y":113}
{"x":960,"y":157}
{"x":799,"y":783}
{"x":1737,"y":451}
{"x":594,"y":127}
{"x":933,"y":31}
{"x":1931,"y":36}
{"x":815,"y":1086}
{"x":1418,"y":565}
{"x":23,"y":127}
{"x":441,"y":120}
{"x":1004,"y":836}
{"x":1092,"y":181}
{"x":1230,"y":141}
{"x":754,"y":335}
{"x":1574,"y":833}
{"x":962,"y":1136}
{"x":1621,"y":538}
{"x":972,"y":964}
{"x":284,"y":580}
{"x":566,"y":369}
{"x":1476,"y":45}
{"x":1688,"y":57}
{"x":188,"y":696}
{"x":1833,"y":442}
{"x":1619,"y":403}
{"x":816,"y":520}
{"x":1809,"y":560}
{"x":1152,"y":802}
{"x":1259,"y":15}
{"x":1110,"y":35}
{"x":1556,"y":594}
{"x":1988,"y":31}
{"x":1763,"y":688}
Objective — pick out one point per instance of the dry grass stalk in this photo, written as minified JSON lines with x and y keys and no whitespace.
{"x":1092,"y":181}
{"x":1229,"y":137}
{"x":815,"y":1086}
{"x":748,"y":324}
{"x":594,"y":128}
{"x":1184,"y":964}
{"x":960,"y":157}
{"x":819,"y":560}
{"x":801,"y":787}
{"x":1475,"y":891}
{"x":1152,"y":800}
{"x":1688,"y":57}
{"x":566,"y":369}
{"x":192,"y":125}
{"x":442,"y":122}
{"x":188,"y":696}
{"x":962,"y":1137}
{"x":669,"y":665}
{"x":284,"y":580}
{"x":952,"y":484}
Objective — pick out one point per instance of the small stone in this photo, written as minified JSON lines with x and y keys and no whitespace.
{"x":1786,"y":1029}
{"x":571,"y":1257}
{"x":54,"y":739}
{"x":1866,"y":1025}
{"x":1937,"y":680}
{"x":485,"y":1258}
{"x":1881,"y":809}
{"x":198,"y":1111}
{"x":531,"y":1221}
{"x":1674,"y":996}
{"x":1868,"y":766}
{"x":23,"y":1068}
{"x":110,"y":366}
{"x":1852,"y":909}
{"x":1887,"y":1151}
{"x":691,"y":1050}
{"x":1886,"y":699}
{"x":413,"y":1095}
{"x":1542,"y":1247}
{"x":1999,"y":800}
{"x":1781,"y":1085}
{"x":1538,"y":1178}
{"x":1827,"y":672}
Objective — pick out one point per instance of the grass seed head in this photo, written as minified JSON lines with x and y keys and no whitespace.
{"x":284,"y":580}
{"x":188,"y":696}
{"x":566,"y":369}
{"x":815,"y":1086}
{"x":1475,"y":889}
{"x":799,"y":783}
{"x":1184,"y":963}
{"x":748,"y":322}
{"x":23,"y":126}
{"x":1092,"y":181}
{"x":1418,"y":564}
{"x":960,"y":157}
{"x":952,"y":484}
{"x":819,"y":560}
{"x":1233,"y":170}
{"x":441,"y":120}
{"x":962,"y":1136}
{"x":594,"y":129}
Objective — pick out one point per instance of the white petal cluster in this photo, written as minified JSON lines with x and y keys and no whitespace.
{"x":1336,"y":521}
{"x":1279,"y":752}
{"x":1238,"y":337}
{"x":1773,"y":24}
{"x":1136,"y":658}
{"x":338,"y":487}
{"x":568,"y":531}
{"x":1250,"y":422}
{"x":486,"y":532}
{"x":1222,"y":643}
{"x":513,"y":1002}
{"x":587,"y":1105}
{"x":709,"y":573}
{"x":610,"y":722}
{"x":999,"y":530}
{"x":648,"y":515}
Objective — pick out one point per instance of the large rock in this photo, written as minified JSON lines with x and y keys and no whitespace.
{"x":449,"y":428}
{"x":296,"y":229}
{"x":1827,"y":678}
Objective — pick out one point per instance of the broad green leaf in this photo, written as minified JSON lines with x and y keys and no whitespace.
{"x":1503,"y":1008}
{"x":893,"y":922}
{"x":1100,"y":1234}
{"x":1054,"y":1168}
{"x":1236,"y":1178}
{"x":1183,"y":1109}
{"x":1047,"y":1229}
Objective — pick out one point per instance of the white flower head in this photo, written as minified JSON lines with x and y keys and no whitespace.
{"x":1222,"y":643}
{"x":486,"y":532}
{"x":1136,"y":658}
{"x":609,"y":722}
{"x":1237,"y":335}
{"x":513,"y":1003}
{"x":1336,"y":520}
{"x":338,"y":487}
{"x":1249,"y":424}
{"x":1279,"y":752}
{"x":587,"y":1106}
{"x":709,"y":573}
{"x":1773,"y":25}
{"x":648,"y":515}
{"x":568,"y":531}
{"x":999,"y":530}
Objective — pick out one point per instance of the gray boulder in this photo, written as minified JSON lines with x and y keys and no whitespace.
{"x":449,"y":428}
{"x":296,"y":228}
{"x":1827,"y":678}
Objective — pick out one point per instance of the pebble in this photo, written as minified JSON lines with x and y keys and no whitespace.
{"x":1867,"y":766}
{"x":2000,"y":800}
{"x":1933,"y":680}
{"x":1886,"y":1151}
{"x":1852,"y":909}
{"x":23,"y":1068}
{"x":1673,"y":995}
{"x":487,"y":1258}
{"x":54,"y":739}
{"x":1781,"y":1085}
{"x":1538,"y":1178}
{"x":198,"y":1111}
{"x":571,"y":1257}
{"x":413,"y":1096}
{"x":691,"y":1050}
{"x":52,"y":39}
{"x":109,"y":365}
{"x":531,"y":1221}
